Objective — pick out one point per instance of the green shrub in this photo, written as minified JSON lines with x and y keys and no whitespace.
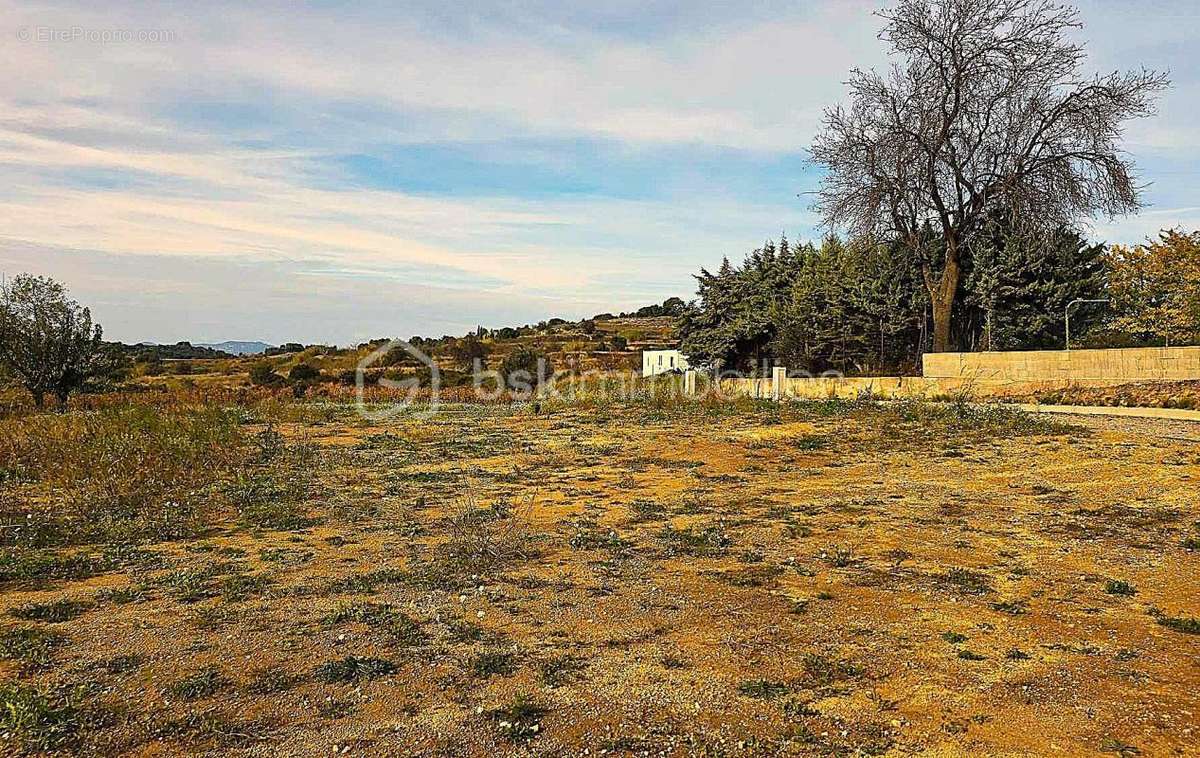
{"x":525,"y":367}
{"x":39,"y":720}
{"x":18,"y":565}
{"x":30,"y":646}
{"x":1119,"y":587}
{"x":54,"y":612}
{"x":1181,"y":624}
{"x":382,"y":617}
{"x":762,"y":689}
{"x":492,"y":663}
{"x":353,"y":668}
{"x":302,"y":372}
{"x":269,"y":501}
{"x":520,"y":720}
{"x":202,"y":684}
{"x":262,"y":374}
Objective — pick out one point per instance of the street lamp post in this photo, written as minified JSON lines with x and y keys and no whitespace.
{"x":1067,"y":314}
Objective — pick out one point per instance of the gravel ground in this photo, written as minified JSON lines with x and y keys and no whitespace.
{"x":1142,"y":427}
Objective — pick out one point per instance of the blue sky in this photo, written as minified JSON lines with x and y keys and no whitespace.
{"x":332,"y":172}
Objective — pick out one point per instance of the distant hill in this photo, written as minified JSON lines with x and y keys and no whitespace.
{"x":238,"y":348}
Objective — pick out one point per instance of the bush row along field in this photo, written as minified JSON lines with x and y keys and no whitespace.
{"x":654,"y":574}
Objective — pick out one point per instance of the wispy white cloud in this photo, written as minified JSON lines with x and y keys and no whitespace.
{"x":224,"y":145}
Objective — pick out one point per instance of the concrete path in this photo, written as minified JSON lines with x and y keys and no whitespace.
{"x":1173,"y":414}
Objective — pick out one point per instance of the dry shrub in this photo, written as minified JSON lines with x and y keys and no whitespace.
{"x":483,"y":539}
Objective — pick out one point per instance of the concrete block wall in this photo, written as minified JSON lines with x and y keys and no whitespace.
{"x":1108,"y":366}
{"x":845,"y":388}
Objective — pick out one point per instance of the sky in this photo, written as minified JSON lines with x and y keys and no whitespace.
{"x":332,"y":172}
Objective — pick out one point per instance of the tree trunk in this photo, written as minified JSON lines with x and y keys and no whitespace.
{"x":941,"y":296}
{"x":39,"y":399}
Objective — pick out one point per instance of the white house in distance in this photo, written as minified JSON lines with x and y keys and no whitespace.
{"x":662,"y":361}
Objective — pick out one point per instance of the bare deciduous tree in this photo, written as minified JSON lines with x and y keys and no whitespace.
{"x":47,"y":340}
{"x":986,"y":116}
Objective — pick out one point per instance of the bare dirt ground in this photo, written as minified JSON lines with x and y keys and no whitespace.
{"x":639,"y":581}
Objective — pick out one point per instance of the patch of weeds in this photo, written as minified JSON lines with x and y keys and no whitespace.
{"x":968,"y":655}
{"x":53,"y":612}
{"x":272,"y":681}
{"x":37,"y":719}
{"x":269,"y":502}
{"x":122,"y":595}
{"x":366,"y":584}
{"x":285,"y":556}
{"x":520,"y":720}
{"x":1120,"y":587}
{"x":751,"y":576}
{"x":191,"y":585}
{"x":123,"y":664}
{"x":797,"y":531}
{"x":380,"y":616}
{"x":528,"y":582}
{"x":588,"y":536}
{"x":838,"y":556}
{"x":954,"y":638}
{"x":211,"y":617}
{"x":966,"y":581}
{"x":696,"y":502}
{"x":493,"y":663}
{"x":711,"y":541}
{"x":762,"y":689}
{"x":353,"y":668}
{"x":647,"y":510}
{"x":753,"y":555}
{"x":811,"y":442}
{"x":798,"y":708}
{"x":1011,"y":607}
{"x":331,"y":708}
{"x":897,"y":556}
{"x":240,"y":587}
{"x":199,"y":685}
{"x":561,"y":669}
{"x":825,"y":671}
{"x":40,"y":566}
{"x":1180,"y":624}
{"x":211,"y":727}
{"x":465,"y":631}
{"x":1113,"y":745}
{"x":30,"y":646}
{"x":137,"y":472}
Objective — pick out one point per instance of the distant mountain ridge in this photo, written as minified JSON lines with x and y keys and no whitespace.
{"x":234,"y":347}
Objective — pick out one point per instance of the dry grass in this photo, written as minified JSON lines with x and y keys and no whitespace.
{"x":122,"y":473}
{"x":655,"y":576}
